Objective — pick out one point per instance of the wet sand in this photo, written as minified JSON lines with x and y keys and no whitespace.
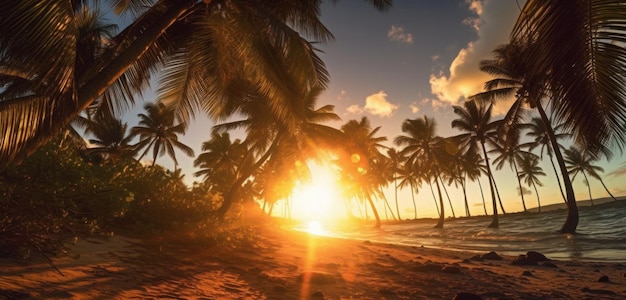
{"x":283,"y":264}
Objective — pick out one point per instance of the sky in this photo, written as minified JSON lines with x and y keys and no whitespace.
{"x":419,"y":58}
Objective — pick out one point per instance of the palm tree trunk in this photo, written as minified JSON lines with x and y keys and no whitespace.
{"x":369,"y":199}
{"x":482,"y":195}
{"x":413,"y":191}
{"x":498,"y":194}
{"x":558,"y":178}
{"x":571,"y":221}
{"x":588,"y":187}
{"x":521,"y":190}
{"x":448,"y":196}
{"x":389,"y":207}
{"x":494,"y":222}
{"x":606,"y":189}
{"x":432,"y":191}
{"x":441,"y":215}
{"x":395,"y":183}
{"x":467,"y":211}
{"x":537,"y":193}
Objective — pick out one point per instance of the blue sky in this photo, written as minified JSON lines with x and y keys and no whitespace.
{"x":417,"y":59}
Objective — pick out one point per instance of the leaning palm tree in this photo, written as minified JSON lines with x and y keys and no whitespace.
{"x":157,"y":131}
{"x":529,"y":172}
{"x":579,"y":50}
{"x":421,"y":145}
{"x":475,"y":120}
{"x":205,"y":52}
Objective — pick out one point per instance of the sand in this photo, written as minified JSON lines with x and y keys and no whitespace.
{"x":283,"y":264}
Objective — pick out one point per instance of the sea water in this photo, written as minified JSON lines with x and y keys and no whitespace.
{"x":601,"y":233}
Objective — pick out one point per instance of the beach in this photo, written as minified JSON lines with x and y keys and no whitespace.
{"x":279,"y":263}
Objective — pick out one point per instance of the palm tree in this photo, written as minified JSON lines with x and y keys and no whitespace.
{"x":475,"y":121}
{"x":110,"y":138}
{"x":409,"y":176}
{"x":579,"y":50}
{"x":265,"y":135}
{"x":515,"y":78}
{"x":356,"y":161}
{"x":580,"y":161}
{"x":511,"y":151}
{"x":529,"y":172}
{"x":422,"y":146}
{"x":220,"y":160}
{"x":207,"y":52}
{"x":157,"y":130}
{"x":538,"y":132}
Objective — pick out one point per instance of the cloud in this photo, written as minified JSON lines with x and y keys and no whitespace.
{"x":495,"y":20}
{"x":526,"y":191}
{"x":377,"y":104}
{"x":477,"y":7}
{"x":354,"y":109}
{"x":414,"y":108}
{"x":396,"y":33}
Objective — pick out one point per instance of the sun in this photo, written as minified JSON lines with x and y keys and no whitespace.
{"x":318,"y":199}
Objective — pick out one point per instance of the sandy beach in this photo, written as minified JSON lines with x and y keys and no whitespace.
{"x":283,"y":264}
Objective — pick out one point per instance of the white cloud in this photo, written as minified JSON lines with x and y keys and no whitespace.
{"x":495,"y":22}
{"x":377,"y":104}
{"x":396,"y":33}
{"x":414,"y":108}
{"x":354,"y":109}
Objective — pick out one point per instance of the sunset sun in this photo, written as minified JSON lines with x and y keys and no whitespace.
{"x":318,"y":199}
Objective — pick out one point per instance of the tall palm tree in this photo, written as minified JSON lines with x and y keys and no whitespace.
{"x":421,"y":145}
{"x":475,"y":120}
{"x":208,"y":53}
{"x":529,"y":172}
{"x":538,"y":132}
{"x":579,"y":50}
{"x":362,"y":148}
{"x":157,"y":131}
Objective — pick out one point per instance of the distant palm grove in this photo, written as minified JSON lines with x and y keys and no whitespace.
{"x":70,"y":165}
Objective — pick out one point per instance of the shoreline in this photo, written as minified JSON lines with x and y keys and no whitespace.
{"x":284,"y":264}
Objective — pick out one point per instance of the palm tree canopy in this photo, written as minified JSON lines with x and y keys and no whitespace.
{"x":205,"y":53}
{"x":580,"y":48}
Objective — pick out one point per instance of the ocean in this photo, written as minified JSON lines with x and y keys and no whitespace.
{"x":601,"y":233}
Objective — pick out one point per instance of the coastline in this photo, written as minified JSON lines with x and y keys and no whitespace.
{"x":285,"y":264}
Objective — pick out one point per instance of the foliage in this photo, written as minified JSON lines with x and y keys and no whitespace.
{"x":59,"y":194}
